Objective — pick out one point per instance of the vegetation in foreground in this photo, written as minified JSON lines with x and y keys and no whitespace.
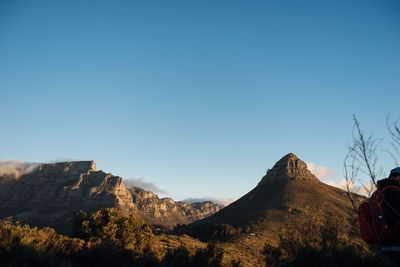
{"x":106,"y":238}
{"x":103,"y":238}
{"x":321,"y":241}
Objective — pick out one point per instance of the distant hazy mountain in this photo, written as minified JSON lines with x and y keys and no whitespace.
{"x":50,"y":195}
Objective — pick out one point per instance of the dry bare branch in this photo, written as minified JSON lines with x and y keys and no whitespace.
{"x":362,"y":160}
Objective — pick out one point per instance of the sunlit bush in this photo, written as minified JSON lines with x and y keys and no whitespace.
{"x":319,"y":241}
{"x":110,"y":227}
{"x":103,"y":238}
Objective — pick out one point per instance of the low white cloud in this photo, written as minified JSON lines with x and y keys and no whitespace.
{"x":327,"y":176}
{"x":339,"y":184}
{"x":342,"y":185}
{"x":15,"y":168}
{"x":222,"y":201}
{"x":321,"y":172}
{"x":140,"y":182}
{"x":64,"y":159}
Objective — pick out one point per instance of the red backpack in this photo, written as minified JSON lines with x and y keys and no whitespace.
{"x":379,"y":217}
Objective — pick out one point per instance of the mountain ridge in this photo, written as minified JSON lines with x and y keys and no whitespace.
{"x":287,"y":193}
{"x":51,"y":193}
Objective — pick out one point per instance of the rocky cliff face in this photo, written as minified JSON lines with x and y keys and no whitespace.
{"x":289,"y":168}
{"x":50,"y":195}
{"x":166,"y":211}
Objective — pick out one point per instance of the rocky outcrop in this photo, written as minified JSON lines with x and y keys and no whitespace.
{"x":50,"y":195}
{"x":167,"y":212}
{"x":289,"y":167}
{"x":65,"y":186}
{"x":53,"y":192}
{"x":66,"y":168}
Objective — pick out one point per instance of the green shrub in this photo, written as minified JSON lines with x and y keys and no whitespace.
{"x":210,"y":256}
{"x":110,"y":227}
{"x":104,"y":238}
{"x":21,"y":245}
{"x":178,"y":257}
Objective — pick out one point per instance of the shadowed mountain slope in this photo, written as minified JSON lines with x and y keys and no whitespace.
{"x":289,"y":191}
{"x":289,"y":187}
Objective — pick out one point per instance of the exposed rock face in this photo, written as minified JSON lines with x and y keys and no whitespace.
{"x":289,"y":167}
{"x":50,"y":194}
{"x":206,"y":208}
{"x":53,"y":192}
{"x":166,"y":211}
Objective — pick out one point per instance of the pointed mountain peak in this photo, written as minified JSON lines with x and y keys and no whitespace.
{"x":289,"y":158}
{"x":290,"y":167}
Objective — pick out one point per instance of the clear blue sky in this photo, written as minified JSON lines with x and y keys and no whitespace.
{"x":198,"y":97}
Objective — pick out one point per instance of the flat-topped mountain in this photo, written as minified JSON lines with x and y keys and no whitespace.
{"x":49,"y":195}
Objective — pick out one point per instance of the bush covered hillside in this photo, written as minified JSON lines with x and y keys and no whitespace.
{"x":107,"y":238}
{"x":103,"y":238}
